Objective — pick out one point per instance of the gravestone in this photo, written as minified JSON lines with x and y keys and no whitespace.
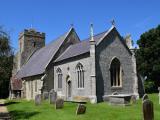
{"x":159,"y":94}
{"x":59,"y":103}
{"x":148,"y":113}
{"x":145,"y":97}
{"x":133,"y":99}
{"x":81,"y":109}
{"x":45,"y":95}
{"x":52,"y":96}
{"x":38,"y":99}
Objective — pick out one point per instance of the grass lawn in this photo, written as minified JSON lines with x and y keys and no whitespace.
{"x":23,"y":110}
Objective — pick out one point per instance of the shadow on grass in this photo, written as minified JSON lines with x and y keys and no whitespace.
{"x":10,"y":103}
{"x":16,"y":114}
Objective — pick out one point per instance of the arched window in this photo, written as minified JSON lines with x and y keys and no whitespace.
{"x":59,"y":74}
{"x":116,"y":73}
{"x":80,"y":75}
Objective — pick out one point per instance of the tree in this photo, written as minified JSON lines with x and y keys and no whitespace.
{"x":6,"y":61}
{"x":148,"y":56}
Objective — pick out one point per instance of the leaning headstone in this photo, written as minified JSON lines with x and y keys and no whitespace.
{"x":148,"y":113}
{"x":52,"y":96}
{"x":133,"y":99}
{"x":145,"y":97}
{"x":38,"y":99}
{"x":81,"y":109}
{"x":59,"y":103}
{"x":45,"y":95}
{"x":159,"y":94}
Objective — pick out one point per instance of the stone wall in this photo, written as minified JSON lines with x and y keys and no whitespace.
{"x":68,"y":68}
{"x":15,"y":64}
{"x":109,"y":48}
{"x":33,"y":86}
{"x":49,"y":81}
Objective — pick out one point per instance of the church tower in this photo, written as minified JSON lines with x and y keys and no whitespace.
{"x":29,"y":41}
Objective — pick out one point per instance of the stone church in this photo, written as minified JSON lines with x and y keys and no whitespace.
{"x":90,"y":69}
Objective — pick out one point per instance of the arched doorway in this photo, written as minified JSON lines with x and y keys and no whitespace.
{"x":69,"y":87}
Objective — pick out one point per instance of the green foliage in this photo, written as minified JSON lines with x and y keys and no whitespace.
{"x":149,"y":86}
{"x":21,"y":110}
{"x":6,"y":59}
{"x":148,"y":56}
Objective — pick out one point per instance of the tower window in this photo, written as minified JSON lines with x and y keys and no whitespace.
{"x":34,"y":44}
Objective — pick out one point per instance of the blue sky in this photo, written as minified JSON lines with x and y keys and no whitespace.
{"x":55,"y":16}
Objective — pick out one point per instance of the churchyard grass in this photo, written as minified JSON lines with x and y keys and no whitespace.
{"x":26,"y":110}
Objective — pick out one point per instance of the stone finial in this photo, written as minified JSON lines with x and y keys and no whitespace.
{"x":72,"y":25}
{"x":113,"y":22}
{"x":91,"y":32}
{"x":128,"y":41}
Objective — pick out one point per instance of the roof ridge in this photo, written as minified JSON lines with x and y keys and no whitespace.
{"x":64,"y":52}
{"x":65,"y":36}
{"x":107,"y":32}
{"x":85,"y":40}
{"x":55,"y":39}
{"x":95,"y":35}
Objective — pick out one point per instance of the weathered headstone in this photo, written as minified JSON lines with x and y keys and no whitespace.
{"x":148,"y":111}
{"x":45,"y":95}
{"x":59,"y":103}
{"x":38,"y":99}
{"x":81,"y":109}
{"x":145,"y":97}
{"x":133,"y":99}
{"x":52,"y":96}
{"x":159,"y":94}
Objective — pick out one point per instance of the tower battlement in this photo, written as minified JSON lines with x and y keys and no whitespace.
{"x":32,"y":32}
{"x":30,"y":40}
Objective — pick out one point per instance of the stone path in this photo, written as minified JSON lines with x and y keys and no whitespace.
{"x":4,"y":115}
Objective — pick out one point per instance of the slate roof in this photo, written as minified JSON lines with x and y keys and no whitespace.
{"x":82,"y":47}
{"x":41,"y":58}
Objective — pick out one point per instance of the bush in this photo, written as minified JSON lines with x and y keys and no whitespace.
{"x":150,"y":86}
